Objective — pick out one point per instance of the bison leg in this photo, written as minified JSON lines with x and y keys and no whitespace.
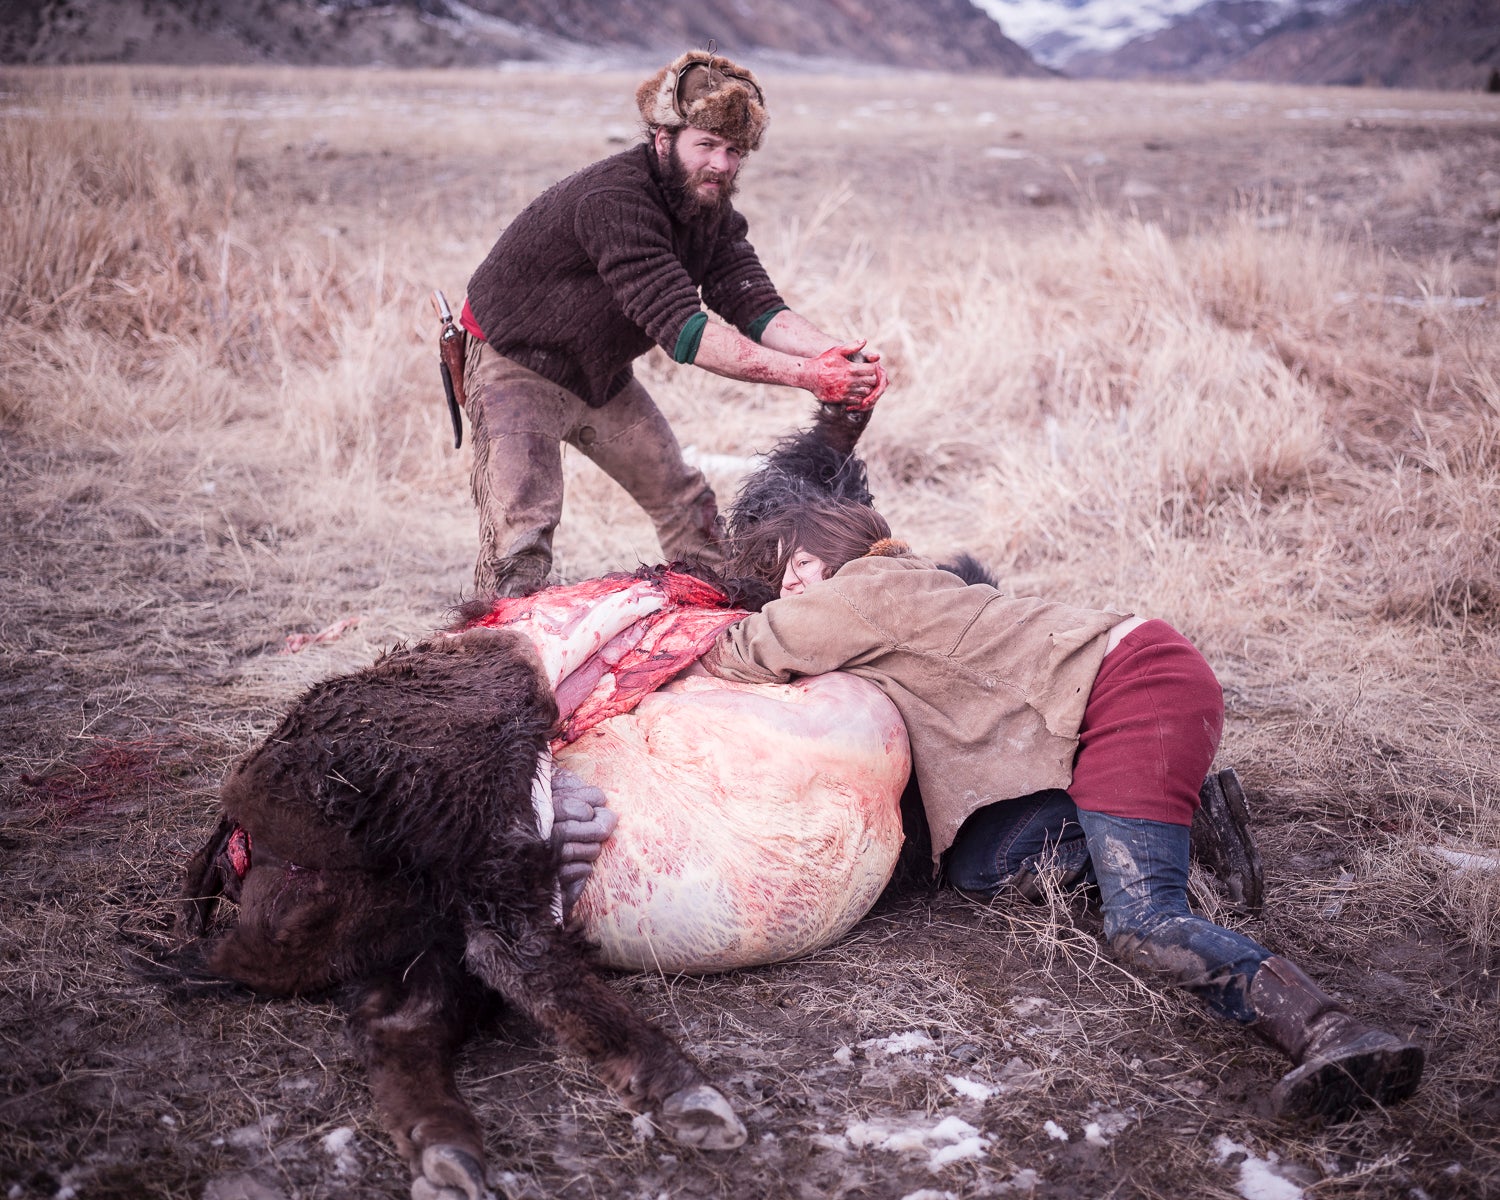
{"x":408,"y":1028}
{"x":544,"y":974}
{"x":208,"y":876}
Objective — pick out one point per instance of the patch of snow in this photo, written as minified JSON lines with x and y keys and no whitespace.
{"x":1259,"y":1178}
{"x":1106,"y":1126}
{"x":641,"y":1128}
{"x":1006,"y":152}
{"x":248,"y":1137}
{"x":899,"y":1043}
{"x":1468,"y":860}
{"x":969,"y":1089}
{"x":1055,"y":1131}
{"x":929,"y":1194}
{"x":339,"y":1146}
{"x":843,"y":1055}
{"x":952,"y":1129}
{"x":949,"y":1141}
{"x":973,"y":1147}
{"x":707,"y":460}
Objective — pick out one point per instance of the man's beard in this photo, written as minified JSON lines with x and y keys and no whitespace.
{"x":682,"y":196}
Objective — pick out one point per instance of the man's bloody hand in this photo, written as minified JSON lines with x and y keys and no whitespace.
{"x":867,"y":402}
{"x":842,"y":375}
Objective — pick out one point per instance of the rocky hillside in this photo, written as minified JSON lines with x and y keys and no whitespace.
{"x":940,"y":34}
{"x":1391,"y":43}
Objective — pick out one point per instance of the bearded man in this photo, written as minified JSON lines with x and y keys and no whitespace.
{"x":615,"y":259}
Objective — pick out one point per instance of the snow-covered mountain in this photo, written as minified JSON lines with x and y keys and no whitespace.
{"x":1055,"y":30}
{"x":1386,"y":43}
{"x":1060,"y":31}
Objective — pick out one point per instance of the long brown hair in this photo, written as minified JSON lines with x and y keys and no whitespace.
{"x":836,"y":531}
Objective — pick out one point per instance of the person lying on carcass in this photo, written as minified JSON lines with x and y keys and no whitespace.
{"x":1045,"y":736}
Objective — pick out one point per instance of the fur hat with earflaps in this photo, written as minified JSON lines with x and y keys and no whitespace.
{"x":708,"y":92}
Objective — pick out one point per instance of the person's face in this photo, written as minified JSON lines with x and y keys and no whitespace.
{"x":802,"y":569}
{"x":705,"y":163}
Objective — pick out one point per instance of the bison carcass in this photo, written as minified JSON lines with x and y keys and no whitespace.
{"x":391,"y":834}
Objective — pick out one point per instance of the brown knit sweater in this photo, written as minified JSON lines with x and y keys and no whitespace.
{"x":596,"y":269}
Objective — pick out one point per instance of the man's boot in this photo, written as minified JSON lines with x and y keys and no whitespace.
{"x":1342,"y":1064}
{"x":519,"y":575}
{"x":1223,"y":843}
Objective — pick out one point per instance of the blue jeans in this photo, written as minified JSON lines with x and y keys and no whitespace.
{"x":1141,"y":868}
{"x":1012,"y":843}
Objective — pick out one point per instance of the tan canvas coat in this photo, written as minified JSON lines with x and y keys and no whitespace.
{"x":991,"y":687}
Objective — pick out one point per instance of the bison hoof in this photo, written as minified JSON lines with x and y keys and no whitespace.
{"x":699,"y":1116}
{"x":449,"y":1173}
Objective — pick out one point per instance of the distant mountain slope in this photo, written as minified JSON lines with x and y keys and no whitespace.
{"x":1394,"y":43}
{"x":945,"y":34}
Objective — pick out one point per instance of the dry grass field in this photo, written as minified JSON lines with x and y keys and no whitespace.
{"x":1223,"y":354}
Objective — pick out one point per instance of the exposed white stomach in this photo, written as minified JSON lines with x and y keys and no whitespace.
{"x":757,"y":822}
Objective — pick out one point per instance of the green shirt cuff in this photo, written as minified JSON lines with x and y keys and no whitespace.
{"x":687,"y":341}
{"x":758,"y":326}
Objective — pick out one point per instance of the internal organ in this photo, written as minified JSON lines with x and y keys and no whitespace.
{"x":757,"y":822}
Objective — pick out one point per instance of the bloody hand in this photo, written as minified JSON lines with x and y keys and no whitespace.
{"x":835,"y":377}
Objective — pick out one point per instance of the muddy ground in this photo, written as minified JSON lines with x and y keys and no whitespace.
{"x":141,"y":656}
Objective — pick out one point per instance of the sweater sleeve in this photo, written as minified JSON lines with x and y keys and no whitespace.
{"x":629,"y":241}
{"x":810,"y":634}
{"x":737,"y":286}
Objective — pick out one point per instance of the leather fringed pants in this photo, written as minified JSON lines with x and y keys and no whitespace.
{"x":520,"y":422}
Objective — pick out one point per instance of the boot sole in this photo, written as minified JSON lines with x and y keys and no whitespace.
{"x":1223,"y":842}
{"x":1375,"y":1070}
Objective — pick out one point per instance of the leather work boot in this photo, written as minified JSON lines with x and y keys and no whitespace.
{"x":1342,"y":1064}
{"x":1062,"y":867}
{"x":1223,"y":844}
{"x":507,"y":577}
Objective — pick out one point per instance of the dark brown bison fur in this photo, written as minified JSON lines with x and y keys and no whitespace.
{"x":817,"y":463}
{"x":394,"y":849}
